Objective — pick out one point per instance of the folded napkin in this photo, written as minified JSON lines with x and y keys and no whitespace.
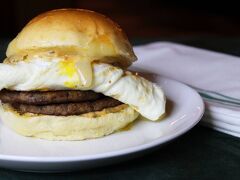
{"x":215,"y":76}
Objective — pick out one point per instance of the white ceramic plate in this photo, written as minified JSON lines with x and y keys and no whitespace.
{"x":184,"y":110}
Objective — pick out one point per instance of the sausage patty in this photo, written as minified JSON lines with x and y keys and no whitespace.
{"x":47,"y":97}
{"x":68,"y":108}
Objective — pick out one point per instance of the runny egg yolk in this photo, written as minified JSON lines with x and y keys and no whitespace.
{"x":67,"y":68}
{"x":77,"y":70}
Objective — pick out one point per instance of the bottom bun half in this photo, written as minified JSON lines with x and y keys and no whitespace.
{"x":77,"y":127}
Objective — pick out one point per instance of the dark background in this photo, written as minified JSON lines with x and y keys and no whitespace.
{"x":145,"y":19}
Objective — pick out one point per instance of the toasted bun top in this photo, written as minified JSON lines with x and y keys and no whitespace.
{"x":90,"y":33}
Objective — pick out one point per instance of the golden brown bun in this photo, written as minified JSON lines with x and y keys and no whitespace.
{"x":88,"y":32}
{"x":68,"y":127}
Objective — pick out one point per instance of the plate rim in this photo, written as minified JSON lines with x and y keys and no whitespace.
{"x":111,"y":154}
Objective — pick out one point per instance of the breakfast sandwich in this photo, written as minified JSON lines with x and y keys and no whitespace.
{"x":65,"y":77}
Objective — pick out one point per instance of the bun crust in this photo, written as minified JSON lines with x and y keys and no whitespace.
{"x":68,"y":127}
{"x":93,"y":34}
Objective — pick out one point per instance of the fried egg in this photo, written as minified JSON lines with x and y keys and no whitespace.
{"x":145,"y":97}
